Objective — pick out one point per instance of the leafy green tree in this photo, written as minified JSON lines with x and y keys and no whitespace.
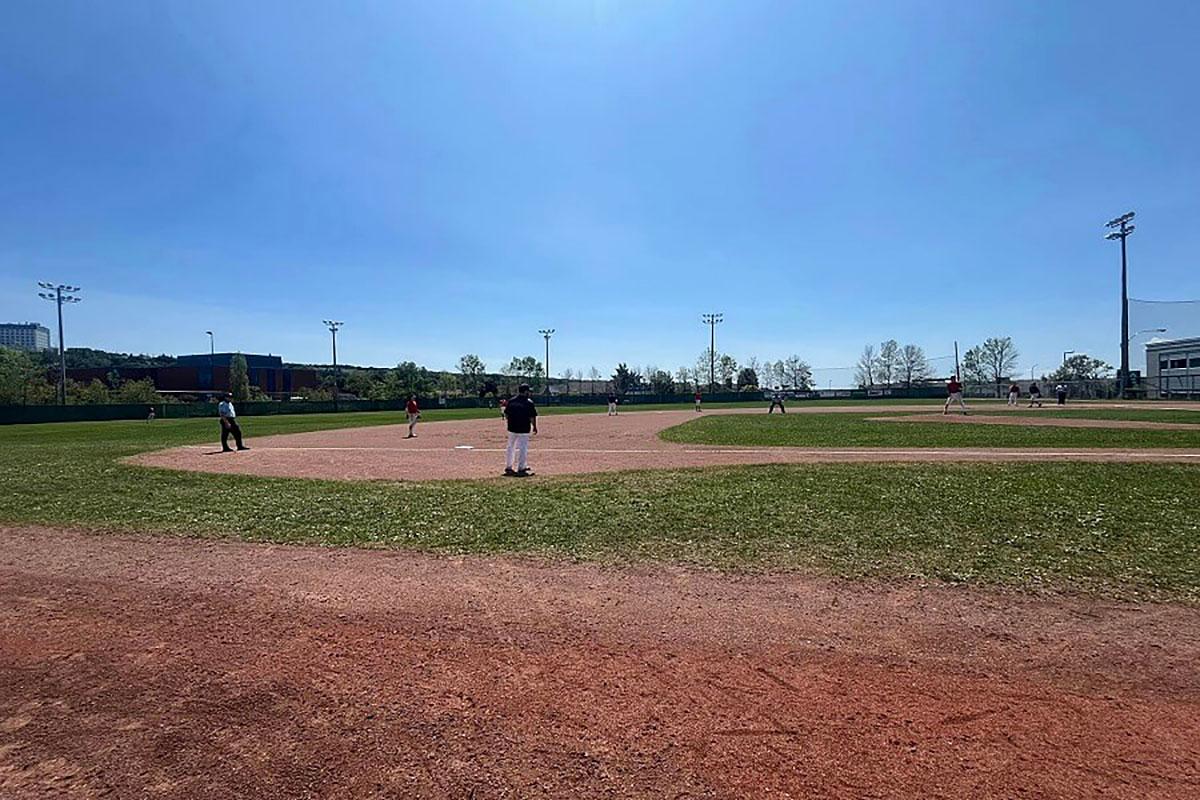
{"x":22,"y":379}
{"x":361,"y":382}
{"x":661,"y":382}
{"x":94,"y":393}
{"x":141,"y":391}
{"x":625,"y":379}
{"x":747,"y":377}
{"x":239,"y":378}
{"x":1081,"y":367}
{"x":472,"y":369}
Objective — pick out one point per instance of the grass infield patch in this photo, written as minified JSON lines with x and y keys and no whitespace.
{"x":1129,"y":530}
{"x":860,"y":430}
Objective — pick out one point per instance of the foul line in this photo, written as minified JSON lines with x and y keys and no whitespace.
{"x":1012,"y":451}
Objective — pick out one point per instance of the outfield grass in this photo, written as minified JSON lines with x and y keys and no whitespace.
{"x":860,"y":430}
{"x":1122,"y":530}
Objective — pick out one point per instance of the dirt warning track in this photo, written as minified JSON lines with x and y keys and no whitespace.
{"x":570,"y":444}
{"x":143,"y":667}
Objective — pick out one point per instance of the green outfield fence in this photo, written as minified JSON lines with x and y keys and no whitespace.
{"x":12,"y":415}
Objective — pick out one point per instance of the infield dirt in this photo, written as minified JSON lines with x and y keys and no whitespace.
{"x":580,"y":443}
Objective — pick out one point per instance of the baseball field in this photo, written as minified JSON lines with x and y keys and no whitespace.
{"x":844,"y":601}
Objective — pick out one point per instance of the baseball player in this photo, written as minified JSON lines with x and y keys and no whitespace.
{"x":1014,"y":392}
{"x":229,"y":424}
{"x":697,"y":400}
{"x":414,"y":413}
{"x":777,"y":400}
{"x":612,"y":404}
{"x":1035,"y":395}
{"x":521,"y":420}
{"x":954,"y":395}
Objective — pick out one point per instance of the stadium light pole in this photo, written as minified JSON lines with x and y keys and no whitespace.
{"x":1120,"y":228}
{"x":212,"y":357}
{"x":333,"y":326}
{"x":1031,"y":369}
{"x":712,"y":320}
{"x":1065,"y":354}
{"x":58,"y":298}
{"x":546,"y":334}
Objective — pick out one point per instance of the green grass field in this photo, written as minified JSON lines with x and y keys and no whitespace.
{"x":859,"y":430}
{"x":1122,"y":530}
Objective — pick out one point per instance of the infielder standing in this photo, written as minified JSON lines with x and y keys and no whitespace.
{"x":1014,"y":392}
{"x":954,"y":395}
{"x":777,"y":400}
{"x":697,"y":399}
{"x":612,"y":404}
{"x":521,"y":418}
{"x":229,"y":424}
{"x":414,"y":413}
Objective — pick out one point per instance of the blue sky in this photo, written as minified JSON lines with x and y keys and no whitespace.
{"x":450,"y":177}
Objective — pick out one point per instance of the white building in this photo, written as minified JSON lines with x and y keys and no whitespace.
{"x":1173,"y":368}
{"x":24,"y":336}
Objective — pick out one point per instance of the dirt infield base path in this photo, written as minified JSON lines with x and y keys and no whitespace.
{"x":568,"y":444}
{"x":158,"y":668}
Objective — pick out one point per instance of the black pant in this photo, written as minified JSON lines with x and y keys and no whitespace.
{"x":779,"y":403}
{"x":229,"y":425}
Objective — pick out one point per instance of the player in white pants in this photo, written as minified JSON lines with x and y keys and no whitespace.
{"x":521,"y":419}
{"x":954,"y":394}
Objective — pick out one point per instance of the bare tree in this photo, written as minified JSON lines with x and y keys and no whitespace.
{"x":593,"y":376}
{"x":568,"y":375}
{"x":997,"y":357}
{"x":865,"y":369}
{"x":683,"y":377}
{"x":797,"y":373}
{"x":887,"y":362}
{"x":726,"y":370}
{"x":913,"y":365}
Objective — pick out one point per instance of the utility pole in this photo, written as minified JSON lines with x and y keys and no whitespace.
{"x":212,"y":351}
{"x":1120,"y":228}
{"x":58,"y":298}
{"x":711,"y":320}
{"x":333,"y":326}
{"x":547,"y":333}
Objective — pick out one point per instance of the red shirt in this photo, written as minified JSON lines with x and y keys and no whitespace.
{"x":697,"y":397}
{"x":954,"y":387}
{"x":412,"y":407}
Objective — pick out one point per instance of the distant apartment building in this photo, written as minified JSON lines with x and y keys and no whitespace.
{"x":24,"y":336}
{"x":206,"y":375}
{"x":1173,"y":368}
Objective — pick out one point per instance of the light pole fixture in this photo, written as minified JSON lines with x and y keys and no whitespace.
{"x":55,"y":293}
{"x":1031,"y":369}
{"x":1120,"y":228}
{"x":712,"y":320}
{"x":546,"y":334}
{"x":1065,"y":354}
{"x":333,"y":325}
{"x":1146,"y":330}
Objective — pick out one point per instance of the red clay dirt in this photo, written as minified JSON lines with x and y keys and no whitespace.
{"x":568,"y":444}
{"x":139,"y":667}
